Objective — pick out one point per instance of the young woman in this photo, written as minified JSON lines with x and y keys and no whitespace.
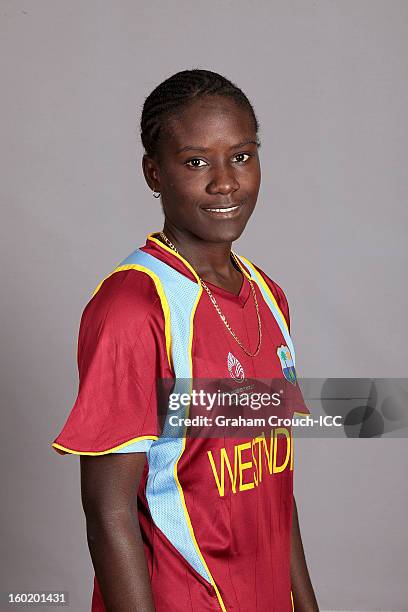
{"x":178,"y":522}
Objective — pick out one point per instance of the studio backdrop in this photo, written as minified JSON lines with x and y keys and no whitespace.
{"x":328,"y":81}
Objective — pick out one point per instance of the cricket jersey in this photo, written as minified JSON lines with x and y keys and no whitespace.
{"x":215,"y":511}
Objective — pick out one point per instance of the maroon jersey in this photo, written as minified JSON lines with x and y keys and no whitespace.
{"x":215,"y":512}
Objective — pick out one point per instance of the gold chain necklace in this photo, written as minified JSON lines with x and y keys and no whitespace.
{"x":218,"y":309}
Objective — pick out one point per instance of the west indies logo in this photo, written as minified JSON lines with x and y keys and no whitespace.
{"x":235,"y":368}
{"x":286,"y":362}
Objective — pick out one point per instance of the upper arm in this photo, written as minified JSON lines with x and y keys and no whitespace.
{"x":109,"y":483}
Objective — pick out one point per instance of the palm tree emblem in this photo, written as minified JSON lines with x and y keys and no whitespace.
{"x":284,"y":354}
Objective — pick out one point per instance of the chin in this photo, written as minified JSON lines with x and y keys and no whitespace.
{"x":226,"y":232}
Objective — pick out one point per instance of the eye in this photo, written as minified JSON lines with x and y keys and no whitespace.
{"x":241,"y":155}
{"x":194,"y":165}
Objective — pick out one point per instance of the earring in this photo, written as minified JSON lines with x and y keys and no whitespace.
{"x":156,"y":194}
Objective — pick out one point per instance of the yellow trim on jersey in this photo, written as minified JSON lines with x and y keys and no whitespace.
{"x":244,"y":271}
{"x":267,"y":289}
{"x":164,"y":246}
{"x":291,"y":598}
{"x":190,"y":345}
{"x":292,"y":450}
{"x":169,"y":250}
{"x":183,"y":501}
{"x":162,"y":296}
{"x":269,"y":292}
{"x":105,"y":452}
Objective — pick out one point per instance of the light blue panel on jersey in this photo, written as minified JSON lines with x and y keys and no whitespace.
{"x":276,"y":313}
{"x":162,"y":492}
{"x":140,"y":446}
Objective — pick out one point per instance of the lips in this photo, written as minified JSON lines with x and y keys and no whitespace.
{"x":222,"y":211}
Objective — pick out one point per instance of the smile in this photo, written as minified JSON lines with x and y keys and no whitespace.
{"x":222,"y":211}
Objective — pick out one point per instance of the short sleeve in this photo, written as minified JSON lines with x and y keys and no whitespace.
{"x":121,"y":354}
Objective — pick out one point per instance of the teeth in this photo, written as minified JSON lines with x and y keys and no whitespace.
{"x":222,"y":210}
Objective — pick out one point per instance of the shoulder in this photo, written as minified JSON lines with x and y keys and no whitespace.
{"x":124,"y":300}
{"x":277,"y":292}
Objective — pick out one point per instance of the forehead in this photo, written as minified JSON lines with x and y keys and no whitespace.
{"x":207,"y":122}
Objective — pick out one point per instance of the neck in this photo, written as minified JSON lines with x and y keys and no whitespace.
{"x":211,"y":260}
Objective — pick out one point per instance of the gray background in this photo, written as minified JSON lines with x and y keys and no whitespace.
{"x":328,"y":80}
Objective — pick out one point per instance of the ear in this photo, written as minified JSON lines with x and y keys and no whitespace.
{"x":151,"y":172}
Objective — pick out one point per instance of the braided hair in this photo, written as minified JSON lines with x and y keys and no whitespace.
{"x":169,"y":98}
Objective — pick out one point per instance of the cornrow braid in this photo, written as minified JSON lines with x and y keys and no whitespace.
{"x":168,"y":99}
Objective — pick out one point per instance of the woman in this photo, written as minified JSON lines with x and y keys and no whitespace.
{"x":181,"y":522}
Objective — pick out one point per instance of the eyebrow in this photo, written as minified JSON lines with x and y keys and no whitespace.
{"x":236,"y":146}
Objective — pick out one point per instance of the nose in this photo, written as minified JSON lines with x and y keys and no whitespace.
{"x":223,"y":180}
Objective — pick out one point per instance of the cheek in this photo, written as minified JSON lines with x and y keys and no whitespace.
{"x":255,"y":175}
{"x":184,"y":184}
{"x":250,"y":177}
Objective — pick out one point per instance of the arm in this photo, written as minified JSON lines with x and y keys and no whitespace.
{"x":109,"y":485}
{"x":303,"y":595}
